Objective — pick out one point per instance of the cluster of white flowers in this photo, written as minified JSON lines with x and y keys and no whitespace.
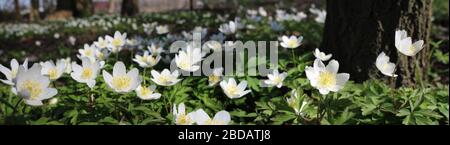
{"x":199,"y":117}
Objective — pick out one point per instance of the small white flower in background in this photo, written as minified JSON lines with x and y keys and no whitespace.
{"x":155,"y":49}
{"x":56,"y":35}
{"x":87,"y":73}
{"x":299,"y":16}
{"x":180,"y":116}
{"x":404,"y":44}
{"x":188,"y":60}
{"x":33,"y":87}
{"x":232,"y":90}
{"x":262,"y":11}
{"x":321,"y":14}
{"x":88,"y":51}
{"x":146,"y":60}
{"x":53,"y":101}
{"x":116,"y":44}
{"x":165,"y":78}
{"x":72,"y":40}
{"x":122,"y":81}
{"x":11,"y":74}
{"x":325,"y":78}
{"x":53,"y":71}
{"x":215,"y":77}
{"x":276,"y":79}
{"x":101,"y":54}
{"x":147,"y":93}
{"x":162,"y":29}
{"x":221,"y":118}
{"x":321,"y":55}
{"x":68,"y":65}
{"x":101,"y":43}
{"x":382,"y":63}
{"x":291,"y":42}
{"x":214,"y":45}
{"x":228,"y":28}
{"x":37,"y":43}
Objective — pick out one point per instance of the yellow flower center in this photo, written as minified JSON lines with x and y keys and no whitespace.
{"x":121,"y":82}
{"x":213,"y":79}
{"x":183,"y":119}
{"x":88,"y":52}
{"x":292,"y":43}
{"x":145,"y":91}
{"x":277,"y":79}
{"x":53,"y":73}
{"x":32,"y":87}
{"x":327,"y":79}
{"x":86,"y":74}
{"x":232,"y":90}
{"x":116,"y":42}
{"x":164,"y":79}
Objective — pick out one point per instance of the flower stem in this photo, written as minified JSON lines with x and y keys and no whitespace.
{"x":143,"y":75}
{"x":15,"y":107}
{"x":294,"y":58}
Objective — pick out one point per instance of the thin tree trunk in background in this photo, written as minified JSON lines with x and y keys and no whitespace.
{"x":84,"y":8}
{"x":34,"y":10}
{"x":17,"y":10}
{"x":112,"y":6}
{"x":130,"y":7}
{"x":357,"y":31}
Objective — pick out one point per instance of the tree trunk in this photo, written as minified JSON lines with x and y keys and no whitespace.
{"x":357,"y":31}
{"x":34,"y":10}
{"x":17,"y":10}
{"x":130,"y":7}
{"x":84,"y":8}
{"x":79,"y":8}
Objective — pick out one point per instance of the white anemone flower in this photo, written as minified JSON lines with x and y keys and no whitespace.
{"x":325,"y":78}
{"x":146,"y":60}
{"x":11,"y":74}
{"x":87,"y":73}
{"x":232,"y":90}
{"x":101,"y":43}
{"x":122,"y":81}
{"x":407,"y":47}
{"x":215,"y":77}
{"x":220,"y":118}
{"x":291,"y":42}
{"x":33,"y":87}
{"x":116,"y":43}
{"x":162,"y":29}
{"x":321,"y":55}
{"x":180,"y":116}
{"x":147,"y":93}
{"x":53,"y":71}
{"x":155,"y":49}
{"x":188,"y":60}
{"x":228,"y":28}
{"x":276,"y":79}
{"x":88,"y":51}
{"x":399,"y":36}
{"x":165,"y":78}
{"x":382,"y":63}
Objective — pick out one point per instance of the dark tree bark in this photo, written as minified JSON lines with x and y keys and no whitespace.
{"x":79,"y":8}
{"x":34,"y":10}
{"x":17,"y":10}
{"x":84,"y":8}
{"x":357,"y":31}
{"x":130,"y":7}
